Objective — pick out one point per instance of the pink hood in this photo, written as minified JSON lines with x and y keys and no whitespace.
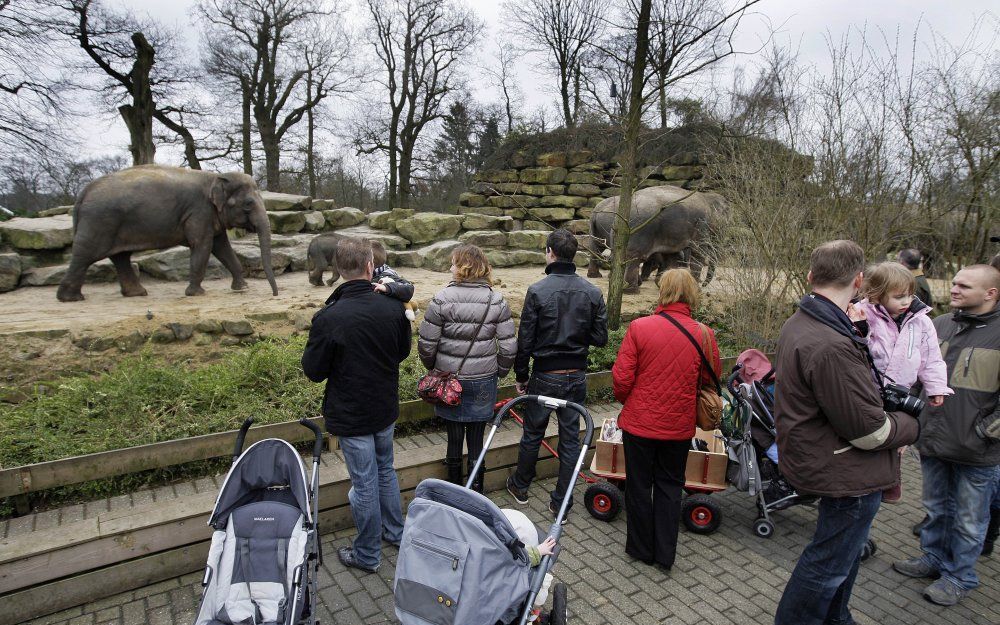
{"x":908,"y":353}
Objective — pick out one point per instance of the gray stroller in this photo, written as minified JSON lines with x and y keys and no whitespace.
{"x":262,"y":565}
{"x":460,"y":560}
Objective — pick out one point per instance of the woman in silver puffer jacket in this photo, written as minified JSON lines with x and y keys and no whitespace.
{"x":468,"y":330}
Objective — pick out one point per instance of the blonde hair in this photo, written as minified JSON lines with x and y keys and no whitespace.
{"x":471,"y":264}
{"x":885,"y":278}
{"x":678,"y":285}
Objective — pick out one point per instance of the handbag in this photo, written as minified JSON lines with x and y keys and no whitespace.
{"x":442,"y":387}
{"x":709,"y":404}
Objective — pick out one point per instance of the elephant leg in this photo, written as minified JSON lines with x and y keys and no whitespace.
{"x":70,"y":288}
{"x":316,"y":273}
{"x":632,"y":277}
{"x":199,"y":262}
{"x":593,"y":269}
{"x":709,"y":274}
{"x":127,"y":277}
{"x":647,"y":268}
{"x":334,"y":275}
{"x":222,"y":250}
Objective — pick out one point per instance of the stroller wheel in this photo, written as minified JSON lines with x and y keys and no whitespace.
{"x":869,"y":549}
{"x":603,"y":501}
{"x":763,"y":528}
{"x":700,"y":514}
{"x":559,"y":616}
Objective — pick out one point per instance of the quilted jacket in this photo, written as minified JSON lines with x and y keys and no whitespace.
{"x":657,"y":375}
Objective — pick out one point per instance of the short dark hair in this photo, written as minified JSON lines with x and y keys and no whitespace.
{"x":352,"y":255}
{"x":910,"y":257}
{"x":836,"y":263}
{"x":378,"y":254}
{"x":563,"y":244}
{"x":995,"y":262}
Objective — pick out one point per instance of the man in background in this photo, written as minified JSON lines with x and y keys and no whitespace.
{"x":913,"y":260}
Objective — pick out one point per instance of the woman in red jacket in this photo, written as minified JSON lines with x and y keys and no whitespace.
{"x":656,"y":377}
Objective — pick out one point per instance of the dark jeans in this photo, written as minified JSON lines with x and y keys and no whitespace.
{"x":571,"y":387}
{"x":654,"y":471}
{"x":819,"y":590}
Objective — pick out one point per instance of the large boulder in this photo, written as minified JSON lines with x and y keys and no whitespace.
{"x":58,"y":210}
{"x":344,"y":217}
{"x":285,"y":201}
{"x":286,"y":221}
{"x":437,"y":256}
{"x":484,"y":238}
{"x":321,"y":205}
{"x":410,"y":258}
{"x":527,"y":239}
{"x":298,"y":256}
{"x":512,"y":258}
{"x":379,"y":220}
{"x":101,"y":271}
{"x":543,"y":189}
{"x":390,"y":241}
{"x":570,"y":201}
{"x":473,"y":221}
{"x":472,"y":199}
{"x":174,"y":264}
{"x":481,"y":210}
{"x":578,"y":226}
{"x":427,"y":227}
{"x":249,"y":256}
{"x":38,"y":233}
{"x":552,"y":213}
{"x":10,"y":271}
{"x":315,"y":221}
{"x":551,"y":159}
{"x":587,"y":190}
{"x":513,"y":201}
{"x":543,"y":175}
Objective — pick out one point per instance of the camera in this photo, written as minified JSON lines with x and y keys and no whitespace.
{"x":896,"y":397}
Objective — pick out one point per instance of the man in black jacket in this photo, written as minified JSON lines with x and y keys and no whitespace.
{"x":356,"y":344}
{"x":563,"y":315}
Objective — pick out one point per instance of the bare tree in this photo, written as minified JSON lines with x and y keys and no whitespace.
{"x":504,"y":80}
{"x":562,"y":30}
{"x":419,"y":44}
{"x":261,"y":45}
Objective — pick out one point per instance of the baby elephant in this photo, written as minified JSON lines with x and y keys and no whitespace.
{"x":321,"y":257}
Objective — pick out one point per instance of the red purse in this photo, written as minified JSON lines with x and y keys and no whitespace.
{"x":443,"y":387}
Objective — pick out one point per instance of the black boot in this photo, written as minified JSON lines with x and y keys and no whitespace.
{"x":919,"y":527}
{"x":477,"y":483}
{"x":991,"y":532}
{"x":454,"y":466}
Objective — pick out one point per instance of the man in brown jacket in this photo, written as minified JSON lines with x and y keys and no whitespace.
{"x":834,"y":438}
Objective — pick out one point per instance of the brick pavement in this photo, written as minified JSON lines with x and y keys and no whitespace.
{"x":730,"y":576}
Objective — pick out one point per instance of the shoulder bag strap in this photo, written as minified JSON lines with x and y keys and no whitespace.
{"x":475,"y":337}
{"x":704,"y":359}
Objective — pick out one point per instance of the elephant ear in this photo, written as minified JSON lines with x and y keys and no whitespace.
{"x":219,"y":195}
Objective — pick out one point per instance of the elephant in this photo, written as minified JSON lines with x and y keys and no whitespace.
{"x":151,"y":207}
{"x":667,"y":220}
{"x":321,"y":257}
{"x":660,"y":262}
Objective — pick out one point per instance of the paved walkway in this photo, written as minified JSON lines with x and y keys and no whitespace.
{"x":728,"y":577}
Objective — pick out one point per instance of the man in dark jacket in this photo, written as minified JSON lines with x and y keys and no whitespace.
{"x":356,"y":344}
{"x":960,"y":440}
{"x":912,"y":259}
{"x":563,"y":315}
{"x":834,"y":438}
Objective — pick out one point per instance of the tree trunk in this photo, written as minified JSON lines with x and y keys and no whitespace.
{"x":245,"y":127}
{"x":620,"y":228}
{"x":272,"y":156}
{"x":564,"y":93}
{"x":190,"y":148}
{"x":393,"y":166}
{"x":310,"y":129}
{"x":138,"y":116}
{"x":405,"y":165}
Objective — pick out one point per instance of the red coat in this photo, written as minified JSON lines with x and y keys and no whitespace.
{"x":657,"y":375}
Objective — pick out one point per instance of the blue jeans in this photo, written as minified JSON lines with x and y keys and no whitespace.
{"x":819,"y":590}
{"x":374,"y":493}
{"x":571,"y":387}
{"x":957,"y":499}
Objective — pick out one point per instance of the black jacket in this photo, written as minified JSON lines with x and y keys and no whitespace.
{"x":399,"y":287}
{"x":356,"y":344}
{"x":563,"y":315}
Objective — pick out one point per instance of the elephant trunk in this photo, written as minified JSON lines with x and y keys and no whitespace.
{"x":263,"y":227}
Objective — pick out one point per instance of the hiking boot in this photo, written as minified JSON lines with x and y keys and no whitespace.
{"x":454,"y":468}
{"x":943,"y":592}
{"x":348,"y":559}
{"x":916,"y":567}
{"x":554,"y":509}
{"x":919,"y":527}
{"x":520,"y":496}
{"x":992,"y":531}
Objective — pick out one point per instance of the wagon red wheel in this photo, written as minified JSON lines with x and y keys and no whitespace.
{"x":700,"y":514}
{"x":603,"y":501}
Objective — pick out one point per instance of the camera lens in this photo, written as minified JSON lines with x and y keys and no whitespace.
{"x":912,"y":405}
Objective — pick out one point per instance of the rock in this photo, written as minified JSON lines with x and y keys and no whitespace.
{"x":587,"y":190}
{"x":512,"y":258}
{"x":583,"y":177}
{"x":410,"y":258}
{"x":578,"y":226}
{"x":612,"y":191}
{"x":298,"y":257}
{"x":471,"y":199}
{"x":482,"y":210}
{"x":527,"y":239}
{"x":401,"y":213}
{"x":131,"y":342}
{"x":552,"y":213}
{"x":390,"y":241}
{"x":571,"y":201}
{"x":543,"y":189}
{"x":101,"y":271}
{"x":645,"y":183}
{"x":10,"y":271}
{"x":521,"y":159}
{"x":174,"y":264}
{"x":203,"y":340}
{"x":544,"y":175}
{"x":58,"y":210}
{"x":344,"y":217}
{"x":582,"y":259}
{"x":238,"y":327}
{"x":285,"y":201}
{"x":682,"y":172}
{"x":230,"y":341}
{"x":513,"y":201}
{"x":163,"y":334}
{"x":379,"y":220}
{"x":276,"y":315}
{"x":579,"y":157}
{"x":44,"y":258}
{"x":249,"y":256}
{"x":530,"y":224}
{"x":182,"y":331}
{"x":495,"y":175}
{"x":472,"y":221}
{"x":321,"y":205}
{"x":551,"y":159}
{"x":484,"y":238}
{"x":303,"y":322}
{"x":437,"y":256}
{"x":650,"y":171}
{"x":597,"y":166}
{"x":508,"y":188}
{"x":286,"y":221}
{"x":685,"y":158}
{"x":38,"y":233}
{"x":515,"y":213}
{"x":209,"y":326}
{"x":585,"y":212}
{"x":315,"y":221}
{"x":277,"y":240}
{"x":594,"y":201}
{"x":91,"y":343}
{"x":426,"y":227}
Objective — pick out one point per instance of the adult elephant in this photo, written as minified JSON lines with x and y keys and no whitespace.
{"x":668,"y":223}
{"x":153,"y":207}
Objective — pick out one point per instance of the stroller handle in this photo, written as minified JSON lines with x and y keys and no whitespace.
{"x":318,"y":445}
{"x":240,"y":437}
{"x":731,"y":380}
{"x":551,"y":403}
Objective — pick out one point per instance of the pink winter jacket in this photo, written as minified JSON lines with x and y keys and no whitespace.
{"x":909,"y":353}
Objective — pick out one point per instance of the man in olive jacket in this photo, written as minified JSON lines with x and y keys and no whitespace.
{"x":834,"y":438}
{"x":960,"y":440}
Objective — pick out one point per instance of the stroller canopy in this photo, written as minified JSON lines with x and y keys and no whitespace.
{"x":270,"y":470}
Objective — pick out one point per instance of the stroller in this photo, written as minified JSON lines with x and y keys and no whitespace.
{"x":265,"y":553}
{"x":460,"y":560}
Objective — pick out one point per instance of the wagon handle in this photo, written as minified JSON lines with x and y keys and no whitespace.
{"x":240,"y":437}
{"x":318,"y":445}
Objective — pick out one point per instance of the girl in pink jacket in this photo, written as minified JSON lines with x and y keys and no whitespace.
{"x":901,"y":337}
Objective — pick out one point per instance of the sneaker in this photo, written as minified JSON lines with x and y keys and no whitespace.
{"x":348,"y":559}
{"x":554,"y":509}
{"x":916,"y":567}
{"x":520,"y":496}
{"x":943,"y":592}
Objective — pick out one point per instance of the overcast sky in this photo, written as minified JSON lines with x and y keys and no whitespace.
{"x":801,"y":24}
